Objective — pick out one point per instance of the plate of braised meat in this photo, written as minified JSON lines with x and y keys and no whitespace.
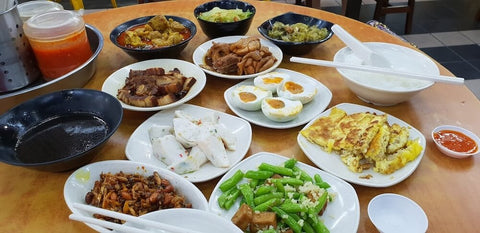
{"x":237,"y":57}
{"x":156,"y":84}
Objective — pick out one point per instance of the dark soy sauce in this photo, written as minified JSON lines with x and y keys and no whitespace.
{"x":60,"y":137}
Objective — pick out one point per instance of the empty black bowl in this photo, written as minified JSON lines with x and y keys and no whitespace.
{"x":146,"y":54}
{"x":58,"y":131}
{"x":215,"y":29}
{"x":295,"y":48}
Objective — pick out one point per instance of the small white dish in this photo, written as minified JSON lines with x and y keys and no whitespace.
{"x":341,"y":215}
{"x":139,"y":148}
{"x":392,"y":213}
{"x":331,"y":162}
{"x":116,"y":80}
{"x":200,"y":51}
{"x":459,"y":155}
{"x":193,"y":219}
{"x":310,"y":110}
{"x":82,"y":180}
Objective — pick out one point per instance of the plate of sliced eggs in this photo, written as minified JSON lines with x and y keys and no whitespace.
{"x":279,"y":99}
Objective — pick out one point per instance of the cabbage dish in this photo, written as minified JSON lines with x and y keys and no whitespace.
{"x":298,"y":32}
{"x":219,"y":15}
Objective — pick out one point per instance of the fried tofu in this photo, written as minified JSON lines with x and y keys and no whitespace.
{"x":243,"y":217}
{"x":263,"y":221}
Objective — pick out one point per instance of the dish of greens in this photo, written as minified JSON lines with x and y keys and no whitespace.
{"x":219,"y":15}
{"x":298,"y":32}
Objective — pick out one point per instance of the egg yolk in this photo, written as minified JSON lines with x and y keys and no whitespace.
{"x":247,"y":97}
{"x":293,"y":87}
{"x":273,"y":80}
{"x":275,"y":103}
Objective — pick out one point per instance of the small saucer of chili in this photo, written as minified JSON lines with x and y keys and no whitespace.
{"x":456,"y":141}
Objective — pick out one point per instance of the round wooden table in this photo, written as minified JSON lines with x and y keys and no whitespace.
{"x":446,"y":188}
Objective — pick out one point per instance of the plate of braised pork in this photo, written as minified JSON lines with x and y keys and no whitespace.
{"x":237,"y":57}
{"x":156,"y":84}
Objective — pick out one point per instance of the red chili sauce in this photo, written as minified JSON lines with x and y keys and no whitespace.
{"x":456,"y":141}
{"x":121,"y":38}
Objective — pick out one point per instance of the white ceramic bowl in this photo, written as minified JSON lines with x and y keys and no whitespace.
{"x":83,"y":179}
{"x":387,"y":90}
{"x":450,"y":152}
{"x":393,"y":213}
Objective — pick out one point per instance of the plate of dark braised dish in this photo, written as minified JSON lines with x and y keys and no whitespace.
{"x":237,"y":57}
{"x":131,"y":188}
{"x":156,"y":84}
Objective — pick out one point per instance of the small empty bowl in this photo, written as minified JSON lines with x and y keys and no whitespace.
{"x":392,"y":213}
{"x":163,"y":52}
{"x":295,"y":48}
{"x":456,"y":141}
{"x":221,"y":29}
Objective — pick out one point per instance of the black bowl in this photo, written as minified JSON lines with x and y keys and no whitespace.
{"x":146,"y":54}
{"x":295,"y":48}
{"x":214,"y":30}
{"x":58,"y":131}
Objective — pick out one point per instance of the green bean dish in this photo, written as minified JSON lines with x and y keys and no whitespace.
{"x":276,"y":198}
{"x":298,"y":32}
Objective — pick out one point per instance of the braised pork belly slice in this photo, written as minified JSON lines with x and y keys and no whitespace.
{"x":154,"y":87}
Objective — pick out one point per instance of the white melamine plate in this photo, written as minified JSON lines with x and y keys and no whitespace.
{"x":81,"y":181}
{"x":116,"y":81}
{"x":341,"y":215}
{"x":139,"y":147}
{"x":332,"y":163}
{"x":199,"y":56}
{"x":309,"y":111}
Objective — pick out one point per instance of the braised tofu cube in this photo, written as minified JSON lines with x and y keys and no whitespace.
{"x":243,"y":217}
{"x":263,"y":221}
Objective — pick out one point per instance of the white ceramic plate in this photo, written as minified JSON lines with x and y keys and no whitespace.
{"x":139,"y":147}
{"x":341,"y":215}
{"x":197,"y":220}
{"x":116,"y":81}
{"x":332,"y":163}
{"x":309,"y":111}
{"x":199,"y":55}
{"x":81,"y":181}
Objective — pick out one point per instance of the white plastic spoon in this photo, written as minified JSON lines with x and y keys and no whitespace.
{"x":368,"y":56}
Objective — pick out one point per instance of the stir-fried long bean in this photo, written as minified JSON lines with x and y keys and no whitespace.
{"x":296,"y":198}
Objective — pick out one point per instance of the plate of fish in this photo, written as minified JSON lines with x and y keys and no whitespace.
{"x":300,"y":96}
{"x":156,"y":84}
{"x":363,"y":145}
{"x":195,"y":142}
{"x":237,"y":57}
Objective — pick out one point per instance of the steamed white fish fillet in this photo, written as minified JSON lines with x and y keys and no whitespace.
{"x":213,"y":117}
{"x":195,"y":159}
{"x":219,"y":130}
{"x":214,"y":150}
{"x":186,"y":132}
{"x":168,"y":150}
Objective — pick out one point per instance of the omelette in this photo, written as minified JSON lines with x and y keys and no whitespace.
{"x":364,"y":140}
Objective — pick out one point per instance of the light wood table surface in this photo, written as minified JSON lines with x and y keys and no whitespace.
{"x":447,"y":189}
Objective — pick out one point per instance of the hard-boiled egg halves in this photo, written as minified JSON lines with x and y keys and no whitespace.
{"x":249,"y":98}
{"x":270,"y":81}
{"x":281,"y":109}
{"x":294,"y":90}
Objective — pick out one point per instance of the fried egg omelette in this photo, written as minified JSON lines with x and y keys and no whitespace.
{"x":364,"y":140}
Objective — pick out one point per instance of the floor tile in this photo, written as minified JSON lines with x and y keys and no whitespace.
{"x":462,"y":69}
{"x":425,"y":40}
{"x":473,"y":35}
{"x":452,"y":38}
{"x":474,"y":86}
{"x":467,"y":52}
{"x":442,"y":54}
